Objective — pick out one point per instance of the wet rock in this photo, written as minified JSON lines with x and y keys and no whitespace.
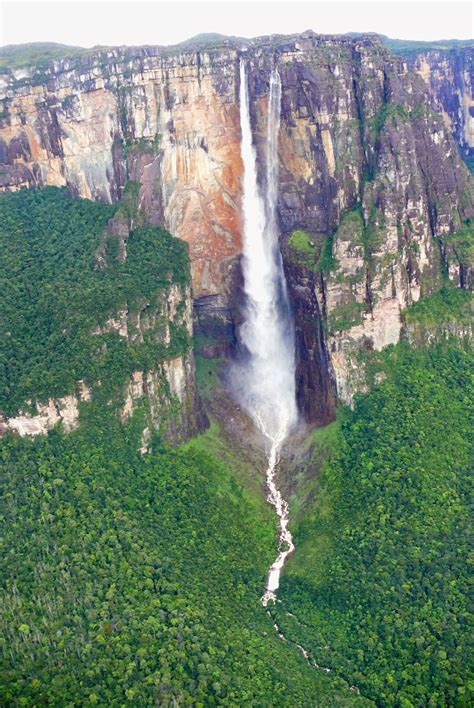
{"x":360,"y":128}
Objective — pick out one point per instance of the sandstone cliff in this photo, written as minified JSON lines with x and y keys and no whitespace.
{"x":371,"y":175}
{"x":450,"y":76}
{"x":368,"y":169}
{"x":168,"y":390}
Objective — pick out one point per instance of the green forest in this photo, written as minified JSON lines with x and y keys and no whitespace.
{"x":135,"y":580}
{"x":126,"y":583}
{"x":61,"y":278}
{"x":378,"y":586}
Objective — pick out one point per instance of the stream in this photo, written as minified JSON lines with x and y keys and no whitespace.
{"x":286,"y":539}
{"x":263,"y":379}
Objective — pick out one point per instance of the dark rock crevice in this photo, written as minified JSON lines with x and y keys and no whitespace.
{"x":315,"y":386}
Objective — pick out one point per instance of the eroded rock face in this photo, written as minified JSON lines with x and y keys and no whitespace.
{"x":450,"y":76}
{"x":169,"y":390}
{"x":359,"y":130}
{"x":366,"y":162}
{"x":316,"y":384}
{"x":63,"y":410}
{"x":170,"y":122}
{"x":171,"y":393}
{"x":175,"y":309}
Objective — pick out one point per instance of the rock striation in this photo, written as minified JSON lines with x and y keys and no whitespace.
{"x":450,"y":77}
{"x":169,"y":389}
{"x":371,"y":177}
{"x":369,"y":171}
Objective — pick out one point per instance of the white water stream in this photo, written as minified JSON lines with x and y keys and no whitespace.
{"x":266,"y":380}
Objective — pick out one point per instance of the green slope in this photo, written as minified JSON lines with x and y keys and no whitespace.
{"x":135,"y":580}
{"x":55,"y":293}
{"x":379,"y":580}
{"x":126,"y":579}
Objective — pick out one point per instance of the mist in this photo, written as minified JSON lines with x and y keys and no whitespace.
{"x":264,"y":379}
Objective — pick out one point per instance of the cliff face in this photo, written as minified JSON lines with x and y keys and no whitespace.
{"x":368,"y":169}
{"x":316,"y":386}
{"x":450,"y":77}
{"x":169,"y":122}
{"x":373,"y":183}
{"x":168,"y":390}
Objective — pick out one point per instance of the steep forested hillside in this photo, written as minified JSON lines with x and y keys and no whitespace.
{"x":126,"y":579}
{"x":378,"y":586}
{"x":133,"y":580}
{"x":63,"y":277}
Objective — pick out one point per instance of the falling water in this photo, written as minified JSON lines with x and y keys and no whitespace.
{"x":266,"y":379}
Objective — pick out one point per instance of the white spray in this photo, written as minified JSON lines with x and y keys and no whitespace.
{"x":266,"y":379}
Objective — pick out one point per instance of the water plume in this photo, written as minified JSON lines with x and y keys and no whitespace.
{"x":266,"y":376}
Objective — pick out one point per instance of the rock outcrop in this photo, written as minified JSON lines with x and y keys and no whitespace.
{"x":63,"y":410}
{"x":450,"y":76}
{"x":361,"y":135}
{"x":168,"y":392}
{"x":371,"y":174}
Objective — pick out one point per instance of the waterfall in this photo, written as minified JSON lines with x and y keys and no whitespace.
{"x":266,"y":381}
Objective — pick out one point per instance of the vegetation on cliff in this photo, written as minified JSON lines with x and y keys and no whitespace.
{"x":38,"y":54}
{"x":459,"y":249}
{"x":379,"y":580}
{"x":135,"y":580}
{"x":449,"y":310}
{"x":62,"y":278}
{"x":128,"y":579}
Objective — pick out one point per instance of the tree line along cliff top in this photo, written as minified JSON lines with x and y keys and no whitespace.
{"x":45,"y":54}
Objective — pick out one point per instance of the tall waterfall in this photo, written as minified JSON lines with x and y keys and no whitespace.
{"x":266,"y":379}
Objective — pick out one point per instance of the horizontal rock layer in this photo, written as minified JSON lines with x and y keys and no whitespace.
{"x":358,"y":130}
